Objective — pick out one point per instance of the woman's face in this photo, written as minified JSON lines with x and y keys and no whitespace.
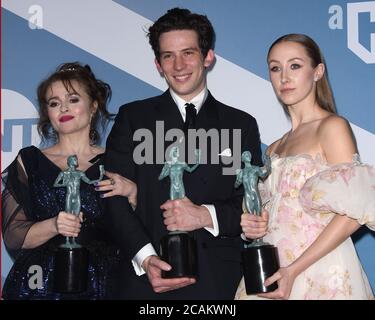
{"x":69,"y":111}
{"x":291,"y":73}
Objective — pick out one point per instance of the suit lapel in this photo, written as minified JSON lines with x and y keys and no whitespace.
{"x":168,"y":112}
{"x":208,"y":116}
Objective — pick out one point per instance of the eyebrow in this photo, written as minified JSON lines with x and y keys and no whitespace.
{"x":69,"y":94}
{"x":191,"y":48}
{"x":296,"y":58}
{"x":186,"y":49}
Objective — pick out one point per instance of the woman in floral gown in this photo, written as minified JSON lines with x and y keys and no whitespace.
{"x":318,"y":192}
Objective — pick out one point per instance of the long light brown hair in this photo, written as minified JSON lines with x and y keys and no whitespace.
{"x":323,"y":94}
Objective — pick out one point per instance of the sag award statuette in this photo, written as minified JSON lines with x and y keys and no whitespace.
{"x":71,"y":259}
{"x":260,"y":259}
{"x":178,"y":248}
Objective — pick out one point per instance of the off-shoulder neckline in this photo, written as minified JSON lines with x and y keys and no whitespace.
{"x":318,"y":157}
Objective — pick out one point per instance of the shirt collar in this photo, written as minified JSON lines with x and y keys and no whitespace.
{"x":198,"y":101}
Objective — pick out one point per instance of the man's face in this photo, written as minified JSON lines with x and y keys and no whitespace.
{"x":182,"y":63}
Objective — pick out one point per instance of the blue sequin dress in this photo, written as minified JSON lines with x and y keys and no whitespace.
{"x":29,"y":197}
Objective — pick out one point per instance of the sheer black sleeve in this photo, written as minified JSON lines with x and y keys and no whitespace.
{"x":15,"y":207}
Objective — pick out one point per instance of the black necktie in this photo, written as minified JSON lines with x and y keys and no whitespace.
{"x":191,"y":114}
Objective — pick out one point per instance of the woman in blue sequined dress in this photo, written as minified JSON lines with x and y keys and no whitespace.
{"x":73,"y":103}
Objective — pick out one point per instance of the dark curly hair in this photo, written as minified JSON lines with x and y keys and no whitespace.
{"x":182,"y":19}
{"x":97,"y":90}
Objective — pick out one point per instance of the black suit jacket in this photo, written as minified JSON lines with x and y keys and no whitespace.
{"x":219,"y":267}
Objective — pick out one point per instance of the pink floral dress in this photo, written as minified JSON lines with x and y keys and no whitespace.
{"x":302,"y":195}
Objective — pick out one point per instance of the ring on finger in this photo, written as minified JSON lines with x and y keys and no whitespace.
{"x":112,"y":181}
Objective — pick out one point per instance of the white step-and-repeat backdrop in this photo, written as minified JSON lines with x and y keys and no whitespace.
{"x":38,"y":35}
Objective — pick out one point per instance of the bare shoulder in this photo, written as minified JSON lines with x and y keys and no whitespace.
{"x":335,"y":129}
{"x":273,"y":146}
{"x":336,"y":139}
{"x":334,"y":124}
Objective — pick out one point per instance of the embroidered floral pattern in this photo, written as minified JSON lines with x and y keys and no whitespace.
{"x":303,"y":194}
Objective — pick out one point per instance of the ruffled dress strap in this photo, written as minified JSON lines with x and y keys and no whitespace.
{"x":345,"y":189}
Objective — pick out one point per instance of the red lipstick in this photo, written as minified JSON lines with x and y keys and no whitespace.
{"x":66,"y":118}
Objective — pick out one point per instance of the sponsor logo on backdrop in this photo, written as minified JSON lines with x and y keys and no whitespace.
{"x":354,"y":30}
{"x":19,"y":118}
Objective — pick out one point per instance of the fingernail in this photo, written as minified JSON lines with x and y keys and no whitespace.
{"x":102,"y":196}
{"x":96,"y":188}
{"x":96,"y":183}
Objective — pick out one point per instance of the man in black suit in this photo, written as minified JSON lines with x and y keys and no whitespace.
{"x":183,"y":45}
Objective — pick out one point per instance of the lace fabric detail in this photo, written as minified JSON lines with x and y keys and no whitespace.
{"x":318,"y":158}
{"x":303,"y":194}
